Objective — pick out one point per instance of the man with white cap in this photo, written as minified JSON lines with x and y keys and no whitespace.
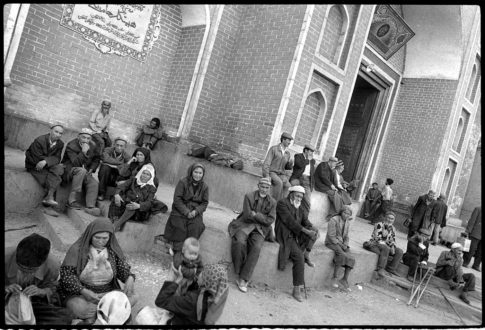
{"x":42,"y":160}
{"x":303,"y":171}
{"x":111,"y":159}
{"x":448,"y":267}
{"x":249,"y":229}
{"x":296,"y":236}
{"x":81,"y":160}
{"x":278,"y":159}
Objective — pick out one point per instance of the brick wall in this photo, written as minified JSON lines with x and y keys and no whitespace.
{"x":57,"y":73}
{"x":415,"y":134}
{"x":331,"y":34}
{"x":353,"y":11}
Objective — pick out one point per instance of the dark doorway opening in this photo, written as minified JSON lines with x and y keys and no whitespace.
{"x":356,"y":127}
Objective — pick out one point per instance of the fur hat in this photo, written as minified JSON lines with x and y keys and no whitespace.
{"x":32,"y":251}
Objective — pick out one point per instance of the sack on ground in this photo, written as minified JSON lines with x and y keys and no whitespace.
{"x":18,"y":309}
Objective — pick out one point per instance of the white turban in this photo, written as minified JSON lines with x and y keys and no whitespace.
{"x":297,"y":189}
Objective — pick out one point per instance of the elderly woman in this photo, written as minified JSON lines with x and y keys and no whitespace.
{"x":203,"y":303}
{"x":190,"y":201}
{"x":150,"y":134}
{"x":296,"y":236}
{"x":133,"y":199}
{"x":93,"y":266}
{"x":140,"y":157}
{"x":383,"y":243}
{"x":337,"y":240}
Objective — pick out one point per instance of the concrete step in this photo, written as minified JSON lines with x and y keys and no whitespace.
{"x":79,"y":218}
{"x":61,"y":231}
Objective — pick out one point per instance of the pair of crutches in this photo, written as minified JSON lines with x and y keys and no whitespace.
{"x":420,"y":285}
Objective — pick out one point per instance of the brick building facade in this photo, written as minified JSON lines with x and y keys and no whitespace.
{"x":234,"y":77}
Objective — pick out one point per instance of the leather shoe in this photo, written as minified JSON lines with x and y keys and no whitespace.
{"x":334,"y":282}
{"x":297,"y":293}
{"x":344,"y":284}
{"x":74,"y":205}
{"x":242,"y":285}
{"x":381,"y":272}
{"x":463,"y":296}
{"x":49,"y":202}
{"x":392,"y":271}
{"x":309,"y":262}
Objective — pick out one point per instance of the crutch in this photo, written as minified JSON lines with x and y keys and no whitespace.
{"x":419,"y":286}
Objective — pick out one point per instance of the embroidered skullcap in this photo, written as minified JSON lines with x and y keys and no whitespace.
{"x":57,"y":123}
{"x":297,"y":189}
{"x":32,"y":251}
{"x":87,"y":131}
{"x":457,"y":245}
{"x":286,"y":136}
{"x":122,"y":138}
{"x":265,"y":181}
{"x":114,"y":308}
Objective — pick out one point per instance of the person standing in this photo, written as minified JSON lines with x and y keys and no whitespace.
{"x":249,"y":230}
{"x":438,"y":218}
{"x":387,"y":196}
{"x":303,"y":171}
{"x":421,"y":211}
{"x":99,"y":123}
{"x":42,"y":160}
{"x":111,"y":159}
{"x":474,"y":231}
{"x":278,"y":159}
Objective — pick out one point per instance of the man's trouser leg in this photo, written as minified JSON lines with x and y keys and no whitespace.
{"x":277,"y":186}
{"x":412,"y":262}
{"x":478,"y":253}
{"x":105,"y":176}
{"x":396,"y":258}
{"x":366,"y":207}
{"x":286,"y":185}
{"x":341,"y":258}
{"x":77,"y":178}
{"x":254,"y":245}
{"x":447,"y":273}
{"x":335,"y":200}
{"x":98,"y":139}
{"x":475,"y":249}
{"x":305,"y":183}
{"x":435,"y":232}
{"x":91,"y":190}
{"x":382,"y":250}
{"x":298,"y":259}
{"x":239,"y":250}
{"x":469,"y":279}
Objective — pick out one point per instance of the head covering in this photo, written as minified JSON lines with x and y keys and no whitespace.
{"x":309,"y":147}
{"x":32,"y":251}
{"x":333,"y":159}
{"x":265,"y":181}
{"x":375,"y":183}
{"x":389,"y":181}
{"x":297,"y":189}
{"x":149,"y":168}
{"x":391,"y":213}
{"x":214,"y":280}
{"x":114,"y":308}
{"x":77,"y":255}
{"x":106,"y":103}
{"x":156,"y":120}
{"x":442,"y":196}
{"x":457,"y":245}
{"x":122,"y":138}
{"x":191,"y":169}
{"x":286,"y":136}
{"x":87,"y":131}
{"x":346,"y":208}
{"x":57,"y":123}
{"x":146,"y":153}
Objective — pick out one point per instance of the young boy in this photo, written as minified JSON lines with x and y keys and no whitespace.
{"x":190,"y":262}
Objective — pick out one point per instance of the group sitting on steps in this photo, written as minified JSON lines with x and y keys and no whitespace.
{"x":281,"y":215}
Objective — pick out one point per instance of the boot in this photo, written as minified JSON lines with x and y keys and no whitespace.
{"x":49,"y":199}
{"x":464,"y":297}
{"x":297,"y":293}
{"x":307,"y":259}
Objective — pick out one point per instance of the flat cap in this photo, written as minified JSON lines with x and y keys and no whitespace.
{"x":307,"y":146}
{"x":286,"y":136}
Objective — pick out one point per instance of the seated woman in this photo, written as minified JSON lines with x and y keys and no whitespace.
{"x":416,"y":252}
{"x":150,"y":134}
{"x":190,"y":200}
{"x":133,"y":199}
{"x":204,"y":301}
{"x":93,"y":266}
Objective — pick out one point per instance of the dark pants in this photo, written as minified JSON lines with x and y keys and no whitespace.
{"x":46,"y":314}
{"x":49,"y":177}
{"x":107,"y":177}
{"x":448,"y":273}
{"x":370,"y":207}
{"x":383,"y":250}
{"x":412,"y":262}
{"x":80,"y":178}
{"x":475,"y":251}
{"x":341,"y":258}
{"x":336,"y":202}
{"x":298,"y":247}
{"x":245,"y":251}
{"x":102,"y":140}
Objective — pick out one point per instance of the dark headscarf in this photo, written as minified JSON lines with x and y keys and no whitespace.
{"x":144,"y":151}
{"x":77,"y":255}
{"x":191,"y":170}
{"x":156,"y":120}
{"x":32,"y":251}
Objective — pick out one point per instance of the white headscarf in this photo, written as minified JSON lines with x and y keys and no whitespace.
{"x":149,"y":168}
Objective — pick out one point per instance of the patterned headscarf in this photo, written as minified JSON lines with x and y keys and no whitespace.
{"x":214,"y":280}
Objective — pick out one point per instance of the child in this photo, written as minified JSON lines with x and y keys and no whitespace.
{"x":190,"y":262}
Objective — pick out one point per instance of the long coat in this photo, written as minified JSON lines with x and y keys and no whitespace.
{"x":40,"y":150}
{"x":324,"y":177}
{"x":74,"y":157}
{"x":474,"y":226}
{"x":438,"y":215}
{"x":299,"y":167}
{"x":289,"y":222}
{"x":420,"y":211}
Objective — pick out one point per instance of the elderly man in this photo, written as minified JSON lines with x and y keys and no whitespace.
{"x":31,"y":270}
{"x":421,"y":212}
{"x":42,"y":161}
{"x":112,"y":158}
{"x":448,"y":267}
{"x":438,"y":218}
{"x":337,"y":240}
{"x":81,"y":159}
{"x":303,"y":171}
{"x":249,"y":229}
{"x":296,"y":236}
{"x":372,"y":201}
{"x":278,"y":159}
{"x":383,"y":243}
{"x":325,"y":183}
{"x":474,"y":231}
{"x":99,"y":123}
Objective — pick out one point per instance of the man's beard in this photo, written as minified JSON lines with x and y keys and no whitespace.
{"x":296,"y":203}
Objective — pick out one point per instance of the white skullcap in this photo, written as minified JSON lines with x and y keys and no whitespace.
{"x":457,"y":245}
{"x":297,"y":189}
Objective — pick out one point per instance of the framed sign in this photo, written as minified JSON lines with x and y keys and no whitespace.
{"x":388,"y":31}
{"x":125,"y":30}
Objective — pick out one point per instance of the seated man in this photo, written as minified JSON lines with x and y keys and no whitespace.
{"x":296,"y":236}
{"x":81,"y":159}
{"x":31,"y":270}
{"x":448,"y":267}
{"x":416,"y":252}
{"x":325,"y":183}
{"x":249,"y":229}
{"x":99,"y":123}
{"x":42,"y":161}
{"x":108,"y":171}
{"x":303,"y":171}
{"x":338,"y":241}
{"x":383,"y":243}
{"x":372,"y":201}
{"x":150,"y":134}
